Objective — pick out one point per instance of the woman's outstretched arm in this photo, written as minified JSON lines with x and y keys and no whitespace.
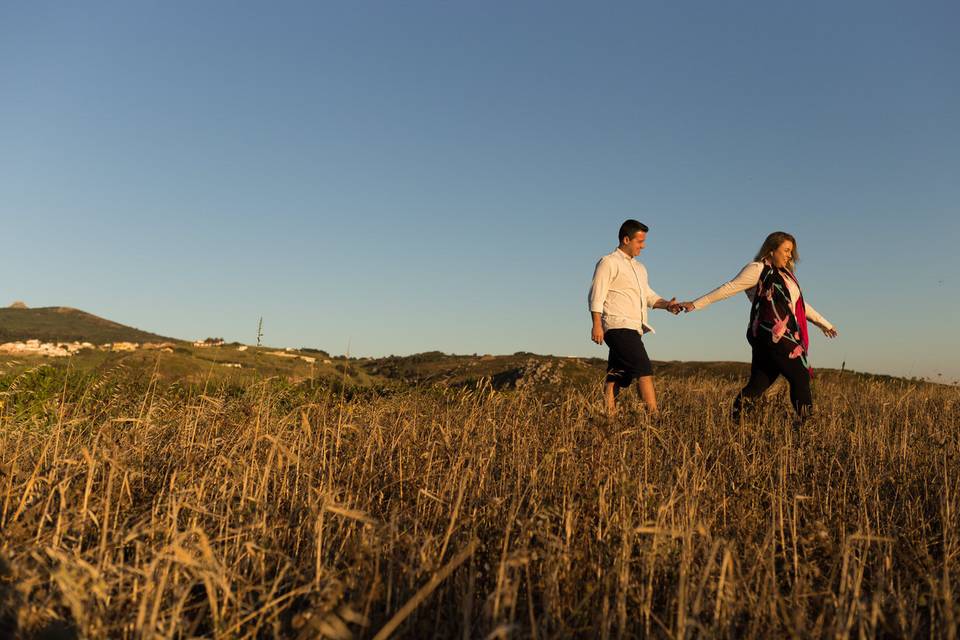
{"x":814,"y":316}
{"x":743,"y":281}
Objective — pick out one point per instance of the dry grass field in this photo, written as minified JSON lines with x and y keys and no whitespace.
{"x":131,"y":509}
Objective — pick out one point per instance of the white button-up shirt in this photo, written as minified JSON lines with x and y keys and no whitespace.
{"x":621,"y":293}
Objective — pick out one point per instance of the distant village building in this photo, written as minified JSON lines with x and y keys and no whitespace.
{"x":19,"y":304}
{"x":157,"y":346}
{"x":242,"y":347}
{"x":47,"y":349}
{"x":124,"y":346}
{"x":209,"y":342}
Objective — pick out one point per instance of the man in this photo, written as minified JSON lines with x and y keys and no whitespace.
{"x":620,"y":299}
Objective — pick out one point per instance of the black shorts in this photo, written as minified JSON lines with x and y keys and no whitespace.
{"x":628,"y":357}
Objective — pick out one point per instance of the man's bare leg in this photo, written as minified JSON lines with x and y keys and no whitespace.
{"x":647,"y":393}
{"x":610,"y":392}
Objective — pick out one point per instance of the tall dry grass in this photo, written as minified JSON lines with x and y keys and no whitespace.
{"x":133,"y":511}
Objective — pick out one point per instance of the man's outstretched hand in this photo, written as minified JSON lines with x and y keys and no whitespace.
{"x":673,"y":306}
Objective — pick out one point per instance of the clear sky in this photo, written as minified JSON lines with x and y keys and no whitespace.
{"x":397,"y":177}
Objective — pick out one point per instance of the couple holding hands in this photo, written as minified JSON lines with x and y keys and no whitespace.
{"x":621,"y":297}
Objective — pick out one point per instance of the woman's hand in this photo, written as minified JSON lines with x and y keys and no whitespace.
{"x":687,"y":307}
{"x":831,"y":332}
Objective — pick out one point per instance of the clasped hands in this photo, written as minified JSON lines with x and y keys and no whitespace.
{"x":675,"y":307}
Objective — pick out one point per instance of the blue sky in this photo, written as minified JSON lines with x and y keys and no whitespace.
{"x":401,"y":177}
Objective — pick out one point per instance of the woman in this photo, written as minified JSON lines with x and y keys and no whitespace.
{"x":777,"y":332}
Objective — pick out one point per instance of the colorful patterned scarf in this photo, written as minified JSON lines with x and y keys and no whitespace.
{"x":775,"y":320}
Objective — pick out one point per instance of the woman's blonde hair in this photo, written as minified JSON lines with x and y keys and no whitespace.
{"x":773,"y":242}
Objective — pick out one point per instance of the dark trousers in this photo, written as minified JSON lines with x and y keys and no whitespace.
{"x":628,"y":357}
{"x":766,"y":365}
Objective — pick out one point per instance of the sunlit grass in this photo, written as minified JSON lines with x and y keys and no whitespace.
{"x":129,"y":509}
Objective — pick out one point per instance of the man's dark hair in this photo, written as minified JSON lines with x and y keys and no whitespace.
{"x":629,"y":228}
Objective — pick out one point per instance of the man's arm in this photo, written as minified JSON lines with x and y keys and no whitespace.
{"x":656,"y":301}
{"x":596,"y":334}
{"x":602,"y":276}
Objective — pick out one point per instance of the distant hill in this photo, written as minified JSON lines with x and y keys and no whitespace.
{"x":65,"y":324}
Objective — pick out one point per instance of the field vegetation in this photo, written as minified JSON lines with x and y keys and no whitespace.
{"x":133,"y":506}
